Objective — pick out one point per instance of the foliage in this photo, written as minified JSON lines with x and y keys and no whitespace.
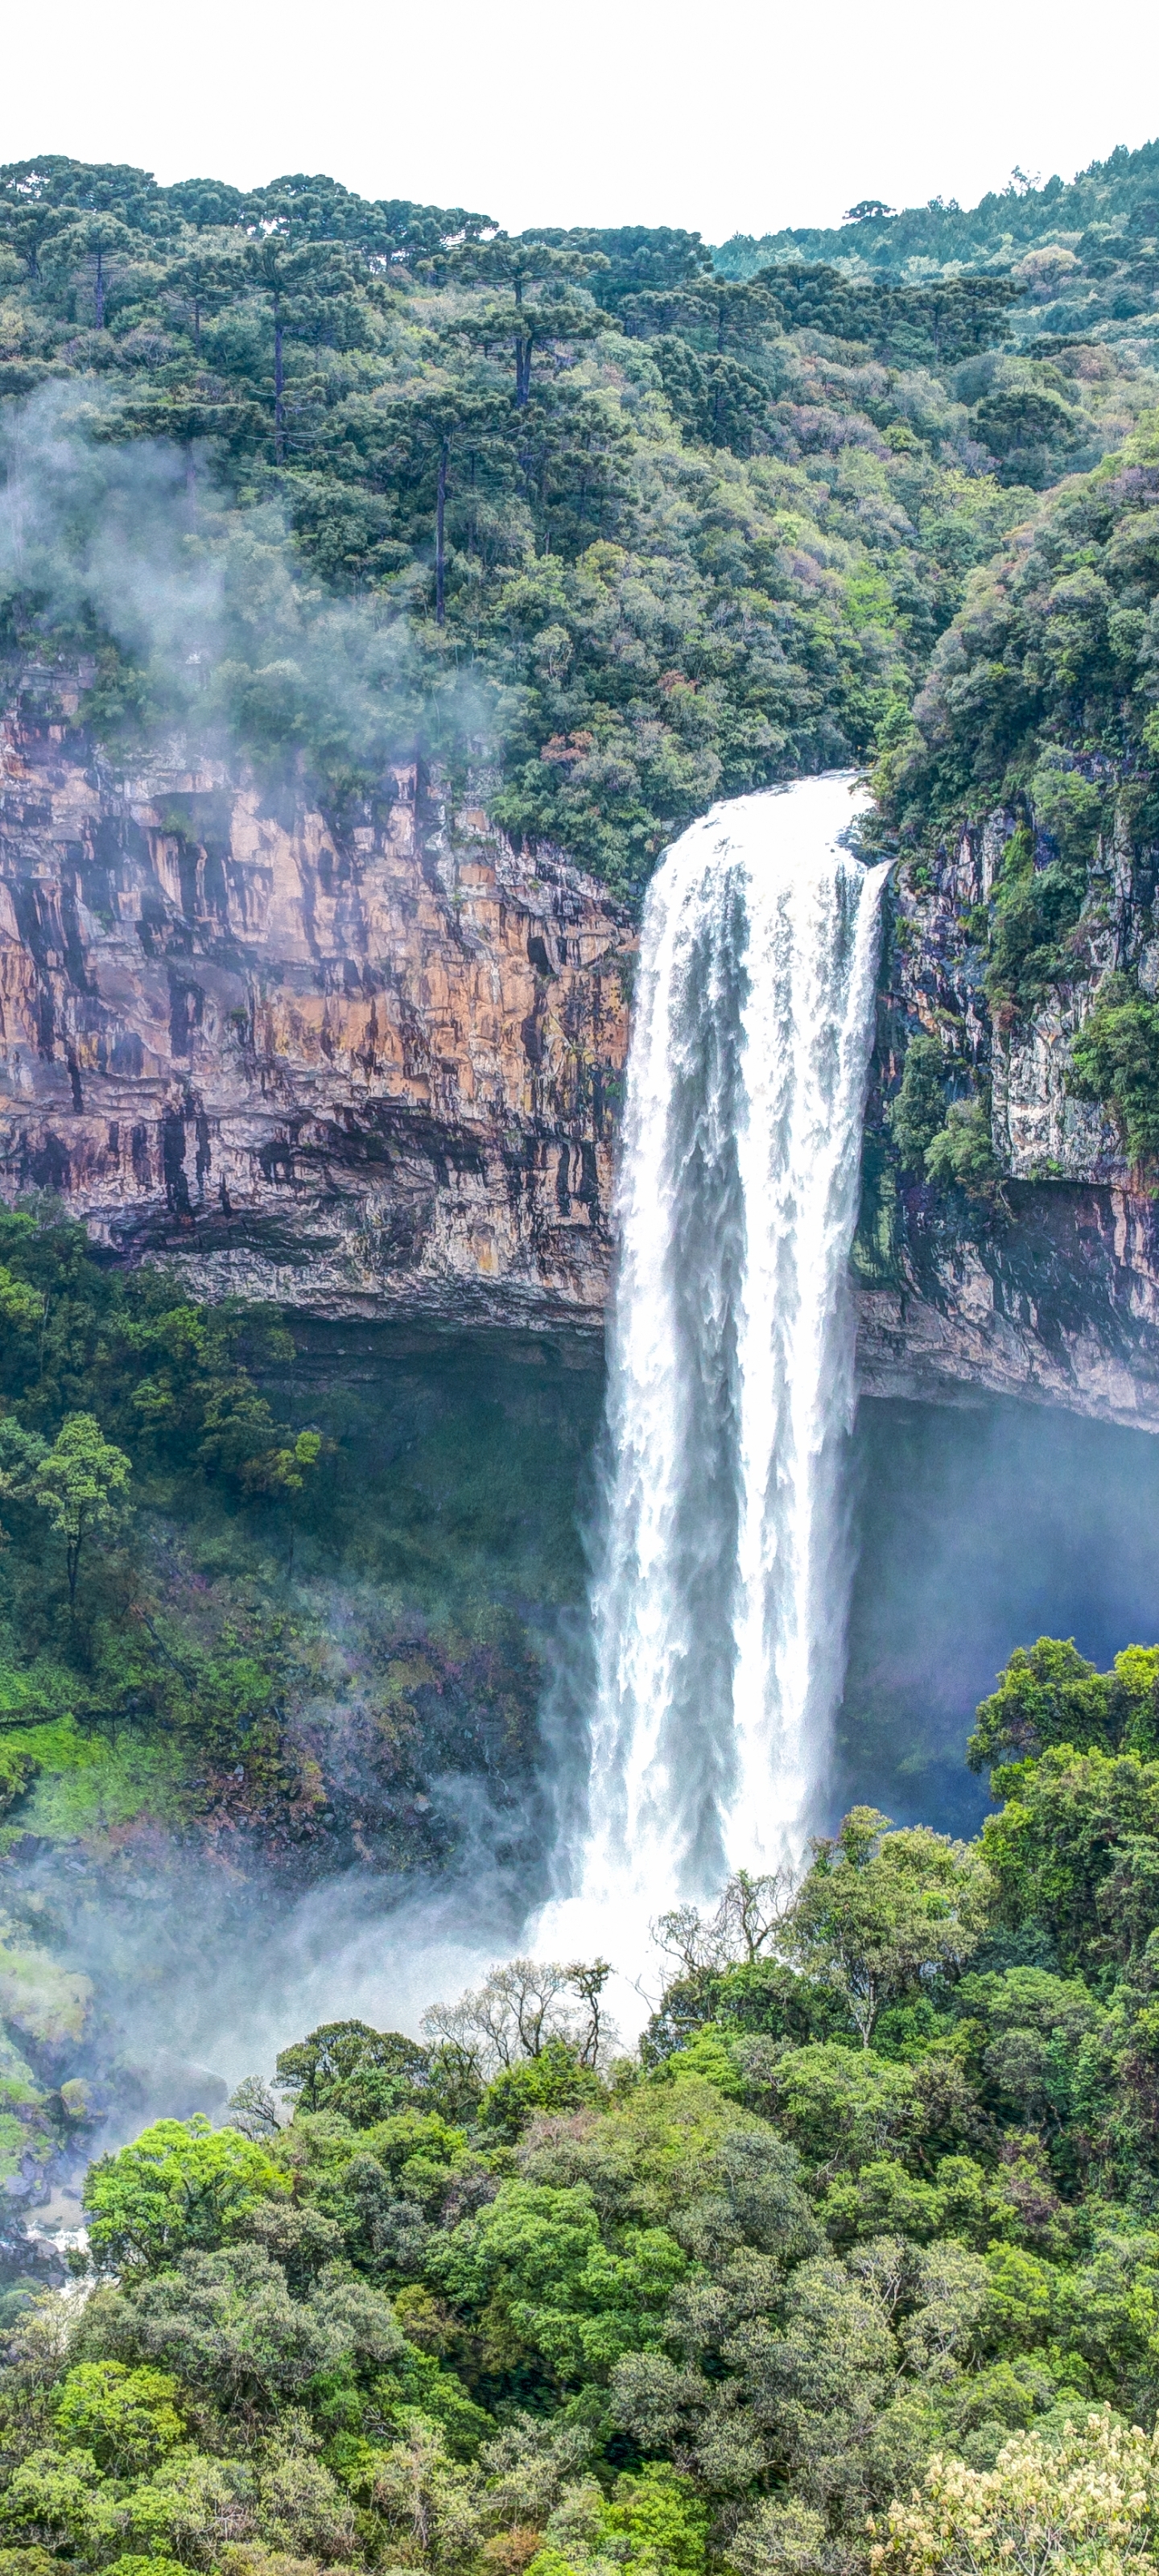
{"x":873,"y":2206}
{"x":181,"y":2184}
{"x":346,"y":2066}
{"x":606,"y":530}
{"x":1108,"y":210}
{"x":946,"y":1142}
{"x":1090,"y":2499}
{"x":918,"y":1110}
{"x":1115,"y":1059}
{"x":1049,"y":1694}
{"x":879,"y":1910}
{"x":1075,"y":1849}
{"x":81,"y":1482}
{"x":961,"y":1155}
{"x":1040,"y":701}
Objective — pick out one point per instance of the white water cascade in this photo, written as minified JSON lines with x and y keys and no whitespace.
{"x":721,"y":1591}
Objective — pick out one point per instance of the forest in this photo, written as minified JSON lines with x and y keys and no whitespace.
{"x":853,"y":2263}
{"x":596,"y":524}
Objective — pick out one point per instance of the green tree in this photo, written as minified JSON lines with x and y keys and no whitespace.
{"x":181,"y":2184}
{"x":20,"y":1307}
{"x":535,"y":2263}
{"x":879,"y":1910}
{"x":83,"y":1484}
{"x":127,"y":2418}
{"x":311,"y":292}
{"x":436,"y":430}
{"x":718,"y":314}
{"x":344,"y":2058}
{"x":1049,"y":1694}
{"x":962,"y":1152}
{"x":206,"y":277}
{"x":1075,"y":1850}
{"x":93,"y":247}
{"x":542,"y":281}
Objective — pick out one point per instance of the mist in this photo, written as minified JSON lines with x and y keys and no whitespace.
{"x":202,"y":630}
{"x":979,"y":1528}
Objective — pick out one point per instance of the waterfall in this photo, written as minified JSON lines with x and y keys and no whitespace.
{"x":720,"y":1593}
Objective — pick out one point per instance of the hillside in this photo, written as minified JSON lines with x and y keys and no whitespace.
{"x":1085,"y":250}
{"x":604,"y":531}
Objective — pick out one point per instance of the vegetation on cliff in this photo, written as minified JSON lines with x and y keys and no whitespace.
{"x":1034,"y":742}
{"x":1043,"y":697}
{"x":852,"y":2263}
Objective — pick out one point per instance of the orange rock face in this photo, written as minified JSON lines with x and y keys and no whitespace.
{"x":372,"y":1071}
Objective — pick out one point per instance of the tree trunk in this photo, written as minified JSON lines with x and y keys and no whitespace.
{"x":279,"y":381}
{"x":524,"y":344}
{"x":440,"y":511}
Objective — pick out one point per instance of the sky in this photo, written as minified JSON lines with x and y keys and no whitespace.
{"x":742,"y":118}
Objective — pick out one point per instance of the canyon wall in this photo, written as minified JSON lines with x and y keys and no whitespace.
{"x":374,"y":1068}
{"x":360,"y":1071}
{"x":1050,"y":1289}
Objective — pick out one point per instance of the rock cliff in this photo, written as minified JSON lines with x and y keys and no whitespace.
{"x":359,"y":1070}
{"x":1050,"y":1292}
{"x":374,"y":1067}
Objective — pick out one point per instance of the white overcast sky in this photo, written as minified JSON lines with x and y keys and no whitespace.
{"x":735,"y":118}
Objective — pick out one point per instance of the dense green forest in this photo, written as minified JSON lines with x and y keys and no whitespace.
{"x":869,"y":2216}
{"x":1099,"y":222}
{"x":599,"y":525}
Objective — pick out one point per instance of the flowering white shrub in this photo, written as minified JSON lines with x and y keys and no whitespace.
{"x":1089,"y":2501}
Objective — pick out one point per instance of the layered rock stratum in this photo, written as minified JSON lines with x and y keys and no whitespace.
{"x":374,"y":1068}
{"x":360,"y":1072}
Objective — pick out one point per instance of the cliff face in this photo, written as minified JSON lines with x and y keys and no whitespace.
{"x":1050,"y":1292}
{"x":377,"y":1070}
{"x":361,"y":1073}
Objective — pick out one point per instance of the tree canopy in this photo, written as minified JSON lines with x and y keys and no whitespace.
{"x":852,"y":2265}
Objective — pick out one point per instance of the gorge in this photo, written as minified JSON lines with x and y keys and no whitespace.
{"x":579,"y":1361}
{"x":378,"y":1072}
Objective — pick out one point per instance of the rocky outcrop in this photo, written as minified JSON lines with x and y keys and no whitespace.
{"x":369,"y":1069}
{"x":1050,"y":1291}
{"x":1054,"y":1300}
{"x":373,"y":1067}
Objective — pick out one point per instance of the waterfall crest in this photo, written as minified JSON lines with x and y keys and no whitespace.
{"x":720,"y":1595}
